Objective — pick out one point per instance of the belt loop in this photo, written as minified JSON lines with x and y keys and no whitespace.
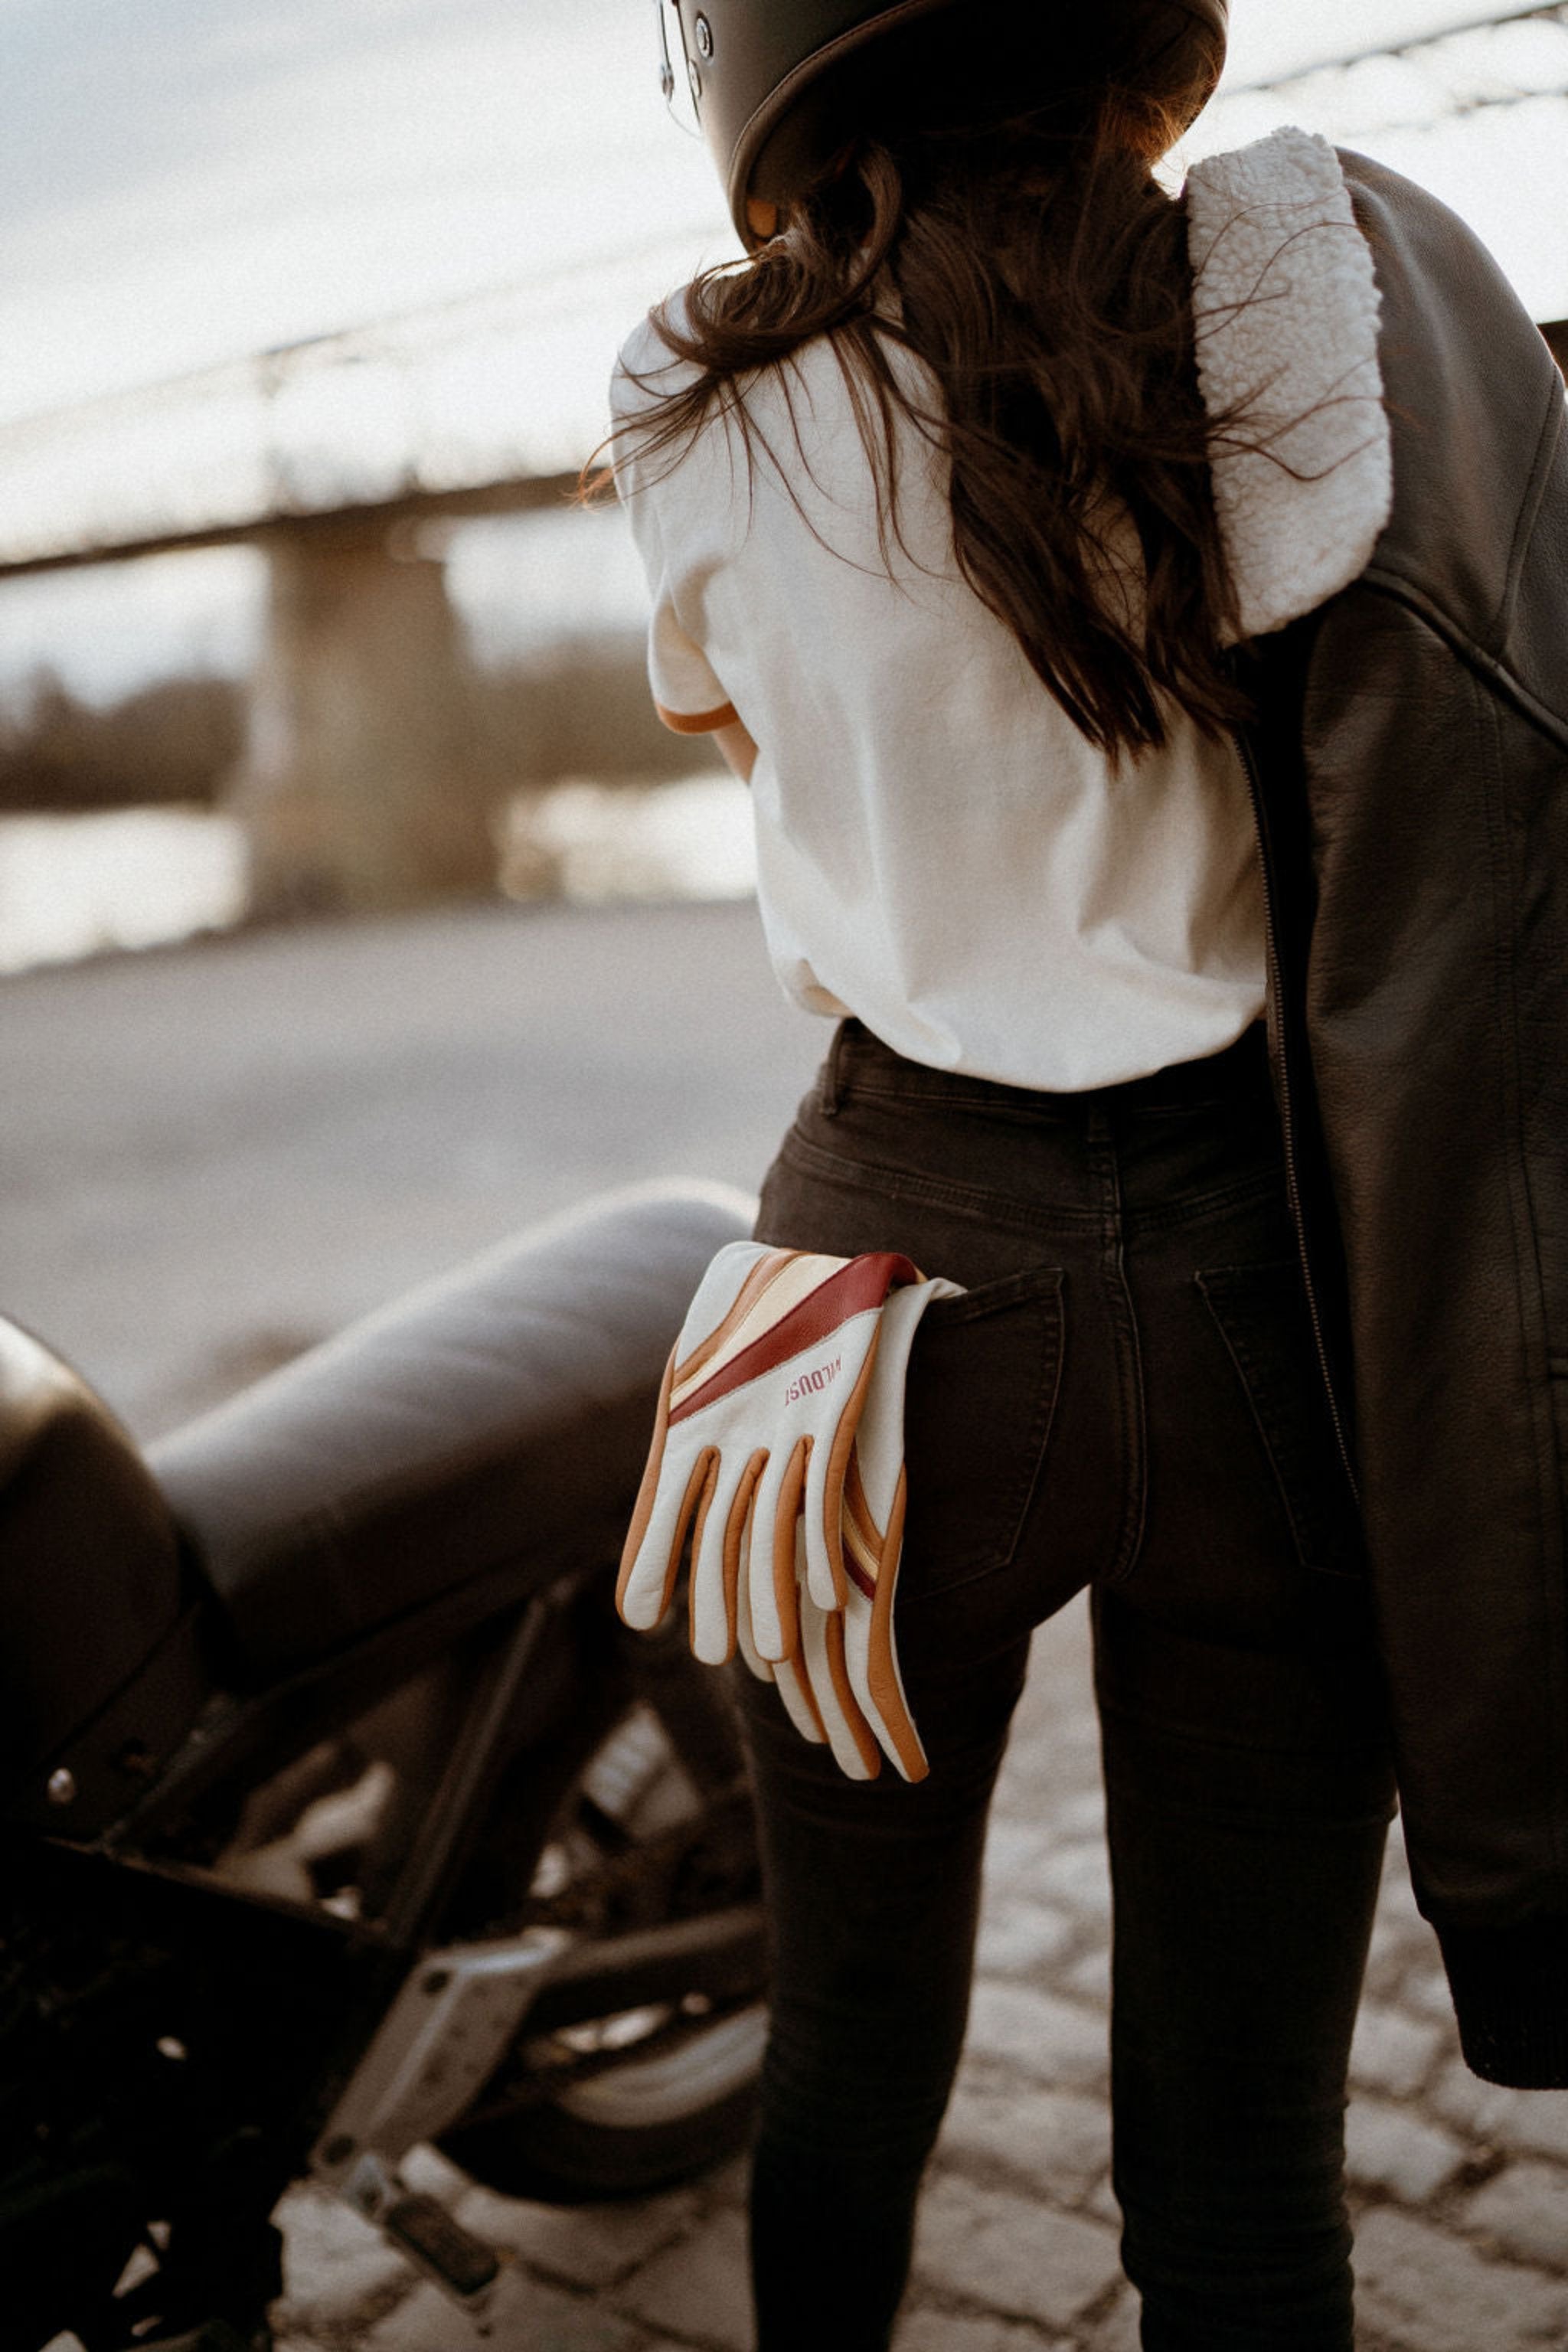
{"x":829,"y":1084}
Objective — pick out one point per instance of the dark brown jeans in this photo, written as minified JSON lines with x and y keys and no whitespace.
{"x":1126,"y":1398}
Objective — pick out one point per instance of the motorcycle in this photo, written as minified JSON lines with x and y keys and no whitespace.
{"x":340,"y":1814}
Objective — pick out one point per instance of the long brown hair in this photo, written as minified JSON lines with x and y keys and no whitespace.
{"x":1037,"y":269}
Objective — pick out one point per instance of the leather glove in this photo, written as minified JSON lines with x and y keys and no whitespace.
{"x":814,"y":1684}
{"x":787,"y":1363}
{"x":756,"y":1421}
{"x":843,"y":1686}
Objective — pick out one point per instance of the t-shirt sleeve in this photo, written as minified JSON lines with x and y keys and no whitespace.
{"x":686,"y":691}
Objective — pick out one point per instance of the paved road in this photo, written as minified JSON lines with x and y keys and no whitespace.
{"x":211,"y":1156}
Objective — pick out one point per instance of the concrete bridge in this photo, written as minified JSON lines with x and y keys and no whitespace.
{"x":362,"y":783}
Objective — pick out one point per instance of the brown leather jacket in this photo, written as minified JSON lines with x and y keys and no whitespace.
{"x":1411,"y":768}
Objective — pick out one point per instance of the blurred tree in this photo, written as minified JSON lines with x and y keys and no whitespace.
{"x":581,"y":707}
{"x":578,"y":707}
{"x":172,"y":740}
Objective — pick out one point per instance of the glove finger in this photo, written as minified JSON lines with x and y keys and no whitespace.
{"x":744,"y":1638}
{"x":651,"y":1585}
{"x":716,"y":1550}
{"x":825,"y":1571}
{"x":871,"y":1652}
{"x":879,"y":1428}
{"x":650,"y":1558}
{"x":775,"y":1519}
{"x":821,"y":1655}
{"x":800,"y":1703}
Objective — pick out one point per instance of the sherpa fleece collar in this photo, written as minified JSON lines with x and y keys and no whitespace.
{"x":1287,"y":311}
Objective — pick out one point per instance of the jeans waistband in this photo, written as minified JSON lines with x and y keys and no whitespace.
{"x":859,"y":1063}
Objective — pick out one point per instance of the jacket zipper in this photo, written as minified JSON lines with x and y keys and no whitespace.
{"x":1276,"y":982}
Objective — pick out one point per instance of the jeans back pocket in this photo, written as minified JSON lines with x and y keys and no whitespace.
{"x":1264,"y":1320}
{"x":979,"y":1403}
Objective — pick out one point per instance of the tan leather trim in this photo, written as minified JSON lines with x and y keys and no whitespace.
{"x":765,"y":1272}
{"x":695,"y":1504}
{"x":802,"y":1682}
{"x":860,"y":1731}
{"x":838,"y":1469}
{"x":642,"y":1509}
{"x":735,"y":1540}
{"x":698,"y":1501}
{"x":862,"y":1537}
{"x":703,"y":722}
{"x":865,"y":1555}
{"x":784,"y":1519}
{"x":881,"y":1671}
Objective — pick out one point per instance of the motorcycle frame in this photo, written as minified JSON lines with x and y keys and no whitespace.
{"x":387,"y":2077}
{"x":354,"y":1966}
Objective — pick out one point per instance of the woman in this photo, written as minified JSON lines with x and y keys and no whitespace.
{"x":1135,"y":618}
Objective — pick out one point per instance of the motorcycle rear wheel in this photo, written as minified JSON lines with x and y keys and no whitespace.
{"x":639,"y":2137}
{"x":655,"y":2095}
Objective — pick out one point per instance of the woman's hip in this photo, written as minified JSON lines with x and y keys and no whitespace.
{"x":1128,"y":1390}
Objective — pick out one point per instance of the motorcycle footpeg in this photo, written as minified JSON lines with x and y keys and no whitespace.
{"x":457,"y":2012}
{"x":428,"y":2233}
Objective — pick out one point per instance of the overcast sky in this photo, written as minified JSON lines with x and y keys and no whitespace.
{"x":184,"y":181}
{"x":187,"y":182}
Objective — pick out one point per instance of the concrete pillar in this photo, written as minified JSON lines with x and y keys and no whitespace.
{"x":362,"y":784}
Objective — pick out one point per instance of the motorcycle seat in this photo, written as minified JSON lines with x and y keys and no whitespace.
{"x":499,"y":1414}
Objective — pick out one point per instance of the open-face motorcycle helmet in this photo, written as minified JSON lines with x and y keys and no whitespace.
{"x":777,"y":87}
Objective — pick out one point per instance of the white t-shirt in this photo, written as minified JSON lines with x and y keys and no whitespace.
{"x":939,"y":850}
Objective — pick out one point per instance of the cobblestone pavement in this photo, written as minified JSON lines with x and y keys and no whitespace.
{"x":1462,"y":2190}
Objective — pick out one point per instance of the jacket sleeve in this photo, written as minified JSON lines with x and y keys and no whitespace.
{"x":1434,"y":999}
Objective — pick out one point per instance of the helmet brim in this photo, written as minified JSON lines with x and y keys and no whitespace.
{"x":1168,"y":51}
